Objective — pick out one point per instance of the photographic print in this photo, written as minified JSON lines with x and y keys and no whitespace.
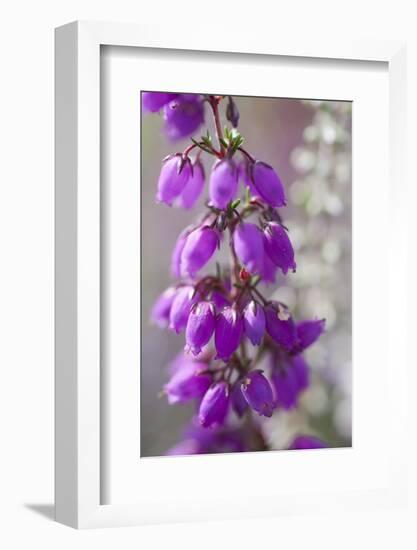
{"x":245,"y":273}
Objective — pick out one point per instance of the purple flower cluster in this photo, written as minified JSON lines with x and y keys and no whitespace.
{"x":228,"y":322}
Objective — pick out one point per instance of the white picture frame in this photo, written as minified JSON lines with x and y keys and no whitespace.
{"x":78,"y":404}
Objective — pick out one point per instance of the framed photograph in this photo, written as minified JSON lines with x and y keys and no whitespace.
{"x":230,"y":280}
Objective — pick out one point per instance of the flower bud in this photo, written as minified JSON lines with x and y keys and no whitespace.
{"x":153,"y":102}
{"x":280,"y":326}
{"x":183,"y":115}
{"x":214,"y":405}
{"x":175,"y":173}
{"x":198,"y":249}
{"x":308,"y":332}
{"x":267,"y":183}
{"x":258,"y":393}
{"x":228,"y":332}
{"x":188,"y":383}
{"x":254,"y":322}
{"x":307,"y":442}
{"x":249,"y":246}
{"x":184,"y":299}
{"x":232,"y":113}
{"x":278,"y":247}
{"x":161,"y":310}
{"x":193,"y":188}
{"x":200,"y":326}
{"x":223,"y":183}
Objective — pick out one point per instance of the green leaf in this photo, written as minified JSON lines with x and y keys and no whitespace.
{"x":235,"y":204}
{"x":255,"y":280}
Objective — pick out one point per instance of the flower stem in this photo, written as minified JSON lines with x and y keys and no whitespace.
{"x":247,"y":155}
{"x":214,"y":103}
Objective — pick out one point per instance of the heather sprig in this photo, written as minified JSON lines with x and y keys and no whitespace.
{"x":229,"y":324}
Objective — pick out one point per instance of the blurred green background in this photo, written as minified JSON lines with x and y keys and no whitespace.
{"x":309,"y":144}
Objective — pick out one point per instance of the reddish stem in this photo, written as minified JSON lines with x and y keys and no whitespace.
{"x":214,"y":103}
{"x":247,"y":155}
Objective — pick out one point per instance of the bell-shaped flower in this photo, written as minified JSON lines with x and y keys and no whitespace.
{"x":301,"y":371}
{"x":244,"y":175}
{"x":152,"y":102}
{"x":286,"y":387}
{"x":249,"y":246}
{"x":162,"y":308}
{"x":278,"y":247}
{"x":239,"y":403}
{"x":308,"y":332}
{"x":280,"y":326}
{"x":175,"y":174}
{"x":223,"y":183}
{"x":183,"y":115}
{"x":228,"y":332}
{"x":269,"y":269}
{"x":193,"y":188}
{"x":191,"y":381}
{"x":177,"y":252}
{"x":200,"y":326}
{"x":258,"y":393}
{"x":214,"y":405}
{"x":219,"y":300}
{"x":185,"y":298}
{"x":307,"y":442}
{"x":198,"y":249}
{"x":267,"y":184}
{"x":254,"y":322}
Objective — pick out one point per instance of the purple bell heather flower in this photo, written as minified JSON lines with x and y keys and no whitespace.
{"x":228,"y":332}
{"x":199,"y":440}
{"x":301,"y":371}
{"x":175,"y":174}
{"x":267,"y":183}
{"x":307,"y":442}
{"x":238,"y":400}
{"x":308,"y":332}
{"x":188,"y":383}
{"x":193,"y":188}
{"x":249,"y":246}
{"x":198,"y":249}
{"x":278,"y":247}
{"x":269,"y":269}
{"x":280,"y":326}
{"x":177,"y":252}
{"x":244,"y":175}
{"x":162,"y":308}
{"x":254,"y":322}
{"x":184,"y":299}
{"x":154,"y":101}
{"x":184,"y":448}
{"x":286,"y":387}
{"x":219,"y":300}
{"x":214,"y":405}
{"x":200,"y":326}
{"x":223,"y":183}
{"x":258,"y":393}
{"x":183,"y":115}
